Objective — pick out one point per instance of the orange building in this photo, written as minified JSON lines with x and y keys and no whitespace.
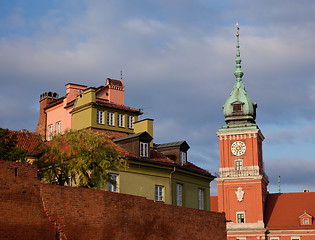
{"x":251,"y":212}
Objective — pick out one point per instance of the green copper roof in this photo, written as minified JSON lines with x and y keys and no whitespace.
{"x":238,"y":110}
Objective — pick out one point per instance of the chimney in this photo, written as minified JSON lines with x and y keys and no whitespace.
{"x":44,"y":100}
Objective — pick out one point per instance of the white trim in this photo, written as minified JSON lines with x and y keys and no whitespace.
{"x":50,"y":132}
{"x":144,"y":149}
{"x":111,"y":187}
{"x":159,"y":193}
{"x":179,"y":194}
{"x":201,"y":199}
{"x":120,"y":120}
{"x":110,"y":119}
{"x":242,"y":216}
{"x":99,"y":117}
{"x":58,"y":127}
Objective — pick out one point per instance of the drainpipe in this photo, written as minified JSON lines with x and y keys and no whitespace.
{"x":172,"y":185}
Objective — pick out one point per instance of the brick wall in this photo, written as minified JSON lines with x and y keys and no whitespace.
{"x":79,"y":213}
{"x":22,"y":215}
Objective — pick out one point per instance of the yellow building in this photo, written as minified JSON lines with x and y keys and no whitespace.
{"x":159,"y":172}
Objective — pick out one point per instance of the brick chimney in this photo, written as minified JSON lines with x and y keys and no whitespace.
{"x":44,"y":100}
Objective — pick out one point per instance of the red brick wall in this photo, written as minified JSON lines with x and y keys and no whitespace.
{"x":95,"y":214}
{"x":22,"y":215}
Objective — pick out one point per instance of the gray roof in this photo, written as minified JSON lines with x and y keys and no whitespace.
{"x":171,"y":144}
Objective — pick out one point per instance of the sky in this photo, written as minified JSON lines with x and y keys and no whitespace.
{"x":178,"y":61}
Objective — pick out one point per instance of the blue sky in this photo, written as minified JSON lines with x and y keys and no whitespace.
{"x":178,"y":60}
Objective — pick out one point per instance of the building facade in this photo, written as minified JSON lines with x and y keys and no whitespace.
{"x":251,"y":212}
{"x":159,"y":172}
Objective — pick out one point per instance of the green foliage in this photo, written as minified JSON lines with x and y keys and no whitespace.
{"x":8,"y":147}
{"x":84,"y":156}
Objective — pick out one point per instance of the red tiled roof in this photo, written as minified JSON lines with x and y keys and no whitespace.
{"x":27,"y":140}
{"x":106,"y":103}
{"x":213,"y":203}
{"x":283,"y":209}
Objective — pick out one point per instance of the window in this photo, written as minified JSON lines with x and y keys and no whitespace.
{"x":100,"y":117}
{"x":130,"y":121}
{"x":179,"y":194}
{"x":274,"y":238}
{"x":306,"y":221}
{"x":237,"y":107}
{"x":120,"y":120}
{"x":144,"y":149}
{"x":110,"y":119}
{"x":201,"y":199}
{"x":295,"y":238}
{"x":159,"y":193}
{"x":113,"y":187}
{"x":240,"y":217}
{"x":50,"y":132}
{"x":183,"y":157}
{"x":58,"y":127}
{"x":238,"y":164}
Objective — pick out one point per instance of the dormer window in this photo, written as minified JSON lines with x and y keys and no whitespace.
{"x":237,"y":107}
{"x":306,"y":219}
{"x":183,"y":157}
{"x":144,"y":149}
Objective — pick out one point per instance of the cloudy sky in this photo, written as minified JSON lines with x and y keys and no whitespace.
{"x":178,"y":59}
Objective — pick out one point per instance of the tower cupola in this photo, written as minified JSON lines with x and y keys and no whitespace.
{"x":238,"y":110}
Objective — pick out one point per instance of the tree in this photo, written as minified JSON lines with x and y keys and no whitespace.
{"x":83,"y":156}
{"x":8,"y":147}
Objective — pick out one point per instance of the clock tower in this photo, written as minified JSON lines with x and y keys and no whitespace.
{"x":242,"y":185}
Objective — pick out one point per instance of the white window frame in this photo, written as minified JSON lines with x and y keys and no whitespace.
{"x":58,"y":127}
{"x":112,"y":187}
{"x":238,"y":164}
{"x":179,"y":194}
{"x":100,"y":117}
{"x":159,"y":193}
{"x":240,"y":213}
{"x":201,"y":198}
{"x":110,"y":119}
{"x":144,"y":149}
{"x":306,"y":221}
{"x":50,"y":132}
{"x":183,"y":157}
{"x":120,"y":120}
{"x":296,"y":238}
{"x":130,"y":121}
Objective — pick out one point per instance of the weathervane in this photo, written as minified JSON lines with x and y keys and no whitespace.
{"x":237,"y":28}
{"x":120,"y":74}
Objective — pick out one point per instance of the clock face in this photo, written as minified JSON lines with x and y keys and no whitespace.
{"x":238,"y":148}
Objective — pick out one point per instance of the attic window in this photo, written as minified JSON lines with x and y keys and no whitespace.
{"x":183,"y":157}
{"x":144,"y":149}
{"x":306,"y":219}
{"x":237,"y":107}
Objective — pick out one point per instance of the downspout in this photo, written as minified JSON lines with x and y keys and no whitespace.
{"x":172,"y":185}
{"x":45,"y":135}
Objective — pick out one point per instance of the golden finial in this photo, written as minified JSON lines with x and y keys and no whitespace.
{"x":237,"y":28}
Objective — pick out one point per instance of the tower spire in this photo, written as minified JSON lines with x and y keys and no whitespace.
{"x":238,"y":72}
{"x":238,"y":110}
